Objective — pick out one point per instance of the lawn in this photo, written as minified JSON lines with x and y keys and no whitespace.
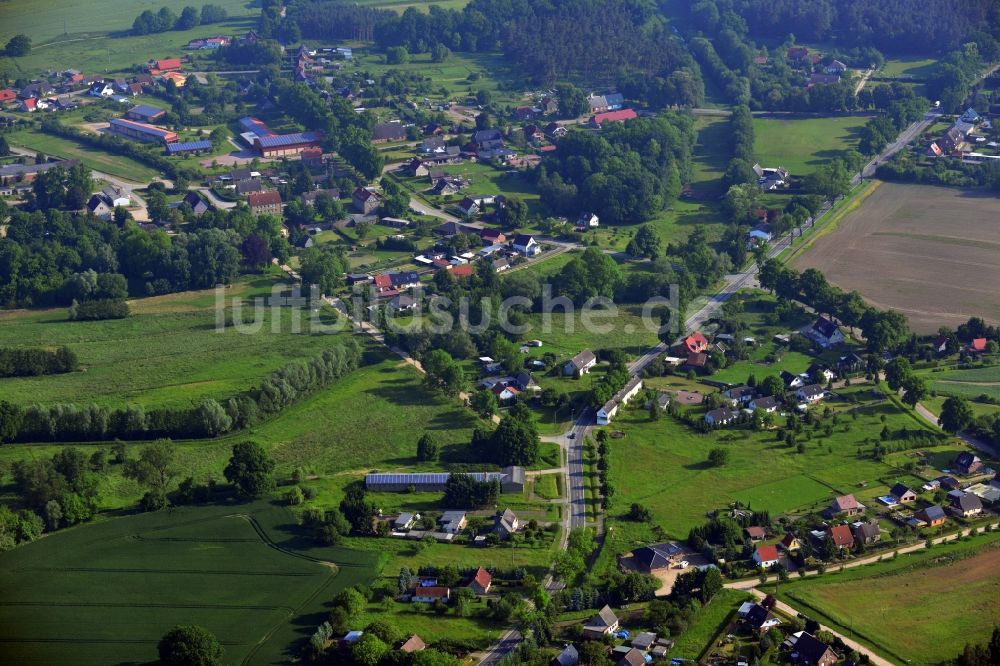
{"x":914,"y":67}
{"x":921,"y":608}
{"x":621,"y":327}
{"x":707,"y":624}
{"x":803,"y":145}
{"x":549,"y":486}
{"x":106,"y":592}
{"x":167,"y":354}
{"x":662,"y":465}
{"x":99,"y":160}
{"x":711,"y":153}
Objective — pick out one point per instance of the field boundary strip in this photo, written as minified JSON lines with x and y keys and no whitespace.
{"x":833,"y":223}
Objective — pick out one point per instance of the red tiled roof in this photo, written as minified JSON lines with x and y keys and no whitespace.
{"x":266,"y":198}
{"x":846,"y":502}
{"x":464,"y":270}
{"x":756,"y":532}
{"x":696,"y":342}
{"x":615,"y":116}
{"x":978,"y":344}
{"x":168,"y":63}
{"x":384,"y":280}
{"x":7,"y":94}
{"x":482,"y":577}
{"x":767,"y":553}
{"x":841,"y":535}
{"x":440,"y":592}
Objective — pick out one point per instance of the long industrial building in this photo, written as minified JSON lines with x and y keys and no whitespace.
{"x":130,"y":129}
{"x":511,"y":480}
{"x":265,"y":141}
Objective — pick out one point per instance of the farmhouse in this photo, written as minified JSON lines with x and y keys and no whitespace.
{"x":824,"y":332}
{"x":610,"y":408}
{"x":739,"y":395}
{"x":265,"y":203}
{"x":405,"y":521}
{"x":755,"y":533}
{"x":580,"y":364}
{"x":100,"y":206}
{"x":844,"y":505}
{"x":759,"y":619}
{"x":506,"y":523}
{"x":790,"y":542}
{"x":767,"y":404}
{"x":632,"y":657}
{"x":977,"y":346}
{"x":140,"y":131}
{"x":385,"y":132}
{"x":602,"y":624}
{"x":26,"y":173}
{"x":511,"y":480}
{"x":695,"y":343}
{"x":568,"y":657}
{"x":766,"y":556}
{"x":453,"y":522}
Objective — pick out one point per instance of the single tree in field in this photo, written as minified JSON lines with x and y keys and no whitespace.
{"x":249,"y":470}
{"x":189,"y":646}
{"x":718,"y":457}
{"x":154,"y":467}
{"x":427,"y":448}
{"x":956,"y":414}
{"x":19,"y":45}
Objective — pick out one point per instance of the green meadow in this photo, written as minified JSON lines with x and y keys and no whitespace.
{"x":98,"y":160}
{"x":802,"y":145}
{"x":107,"y":592}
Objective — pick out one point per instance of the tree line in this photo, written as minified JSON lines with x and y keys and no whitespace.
{"x":19,"y":362}
{"x":150,"y":22}
{"x":53,"y":258}
{"x":884,"y":330}
{"x":210,"y":418}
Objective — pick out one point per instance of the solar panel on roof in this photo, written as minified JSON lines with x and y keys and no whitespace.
{"x":287,"y":139}
{"x":189,"y":145}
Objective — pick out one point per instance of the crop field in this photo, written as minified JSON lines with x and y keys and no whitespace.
{"x":167,"y":354}
{"x":922,"y":608}
{"x":928,"y":252}
{"x":105,"y":593}
{"x":803,"y":145}
{"x":662,"y":465}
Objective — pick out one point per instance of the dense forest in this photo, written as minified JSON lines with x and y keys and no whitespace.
{"x":625,"y":174}
{"x":549,"y":41}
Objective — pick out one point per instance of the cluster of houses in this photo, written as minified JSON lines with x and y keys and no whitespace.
{"x":814,"y":72}
{"x":508,"y":390}
{"x":16,"y":179}
{"x":964,"y":140}
{"x":411,"y":644}
{"x":55,"y":93}
{"x":450,"y":524}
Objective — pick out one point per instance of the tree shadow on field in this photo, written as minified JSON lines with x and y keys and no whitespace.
{"x":700,"y":466}
{"x":824,"y":156}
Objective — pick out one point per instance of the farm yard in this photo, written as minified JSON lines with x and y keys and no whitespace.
{"x":928,"y":252}
{"x":921,"y":608}
{"x":105,"y":593}
{"x":801,"y":145}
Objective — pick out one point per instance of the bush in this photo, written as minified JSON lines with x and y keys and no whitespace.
{"x":98,"y":310}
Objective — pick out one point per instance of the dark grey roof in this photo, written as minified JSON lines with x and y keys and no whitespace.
{"x":825,"y":327}
{"x":568,"y":657}
{"x":899,"y":490}
{"x":968,"y":502}
{"x":389,"y":132}
{"x":934,"y":512}
{"x":810,"y":648}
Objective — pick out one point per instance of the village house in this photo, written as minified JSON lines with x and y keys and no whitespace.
{"x":492,"y":236}
{"x":612,"y":117}
{"x":755,"y":533}
{"x":867,"y":532}
{"x":695,"y":343}
{"x":633,"y":657}
{"x":767,"y":404}
{"x":568,"y":657}
{"x":555,"y":131}
{"x":810,"y":394}
{"x":759,"y":619}
{"x":766,"y":556}
{"x":198,"y":205}
{"x":721,"y":416}
{"x":965,"y":505}
{"x":580,"y":364}
{"x":588,"y":221}
{"x":977,"y":346}
{"x":841,"y":536}
{"x":430,"y":594}
{"x":655,"y":557}
{"x":792,"y":381}
{"x":453,"y":522}
{"x":844,"y":505}
{"x":824,"y":332}
{"x":610,"y":408}
{"x":526,"y":245}
{"x":412,"y":644}
{"x":810,"y":651}
{"x":487,"y":140}
{"x":481,"y":582}
{"x":416,"y":168}
{"x":790,"y":542}
{"x":967,"y":464}
{"x":405,"y":521}
{"x":506,"y":523}
{"x":468,"y":207}
{"x":506,"y":395}
{"x":365,"y":201}
{"x":602,"y":624}
{"x":265,"y":203}
{"x":903,"y":494}
{"x":385,"y":132}
{"x":100,"y":206}
{"x":931,"y":516}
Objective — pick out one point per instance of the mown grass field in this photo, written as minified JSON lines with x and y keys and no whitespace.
{"x":907,"y":68}
{"x":169,"y":353}
{"x":708,"y":623}
{"x":921,"y":608}
{"x":662,"y":465}
{"x":116,"y":165}
{"x":107,"y":592}
{"x":802,"y":145}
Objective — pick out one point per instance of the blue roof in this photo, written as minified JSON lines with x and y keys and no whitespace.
{"x":279,"y":140}
{"x":255,"y":126}
{"x":146,"y":110}
{"x":173,"y":148}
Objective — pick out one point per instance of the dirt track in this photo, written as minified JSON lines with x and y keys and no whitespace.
{"x":932,"y":253}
